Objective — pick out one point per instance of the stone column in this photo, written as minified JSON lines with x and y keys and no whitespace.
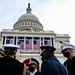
{"x":1,"y":42}
{"x":32,"y":43}
{"x":24,"y":43}
{"x":16,"y":40}
{"x":40,"y":41}
{"x":52,"y":42}
{"x":43,"y":41}
{"x":5,"y":39}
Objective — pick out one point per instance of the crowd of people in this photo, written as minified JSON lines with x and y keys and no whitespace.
{"x":50,"y":65}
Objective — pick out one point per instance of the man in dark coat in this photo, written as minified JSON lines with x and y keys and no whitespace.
{"x":68,"y":52}
{"x":50,"y":64}
{"x":8,"y":64}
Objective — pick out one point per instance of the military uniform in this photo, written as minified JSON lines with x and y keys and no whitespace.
{"x":33,"y":67}
{"x":68,"y":49}
{"x":70,"y":65}
{"x":8,"y":64}
{"x":51,"y":65}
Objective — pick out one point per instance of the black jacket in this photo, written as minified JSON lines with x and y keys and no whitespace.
{"x":10,"y":66}
{"x":70,"y":65}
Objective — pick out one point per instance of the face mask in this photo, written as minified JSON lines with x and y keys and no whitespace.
{"x":31,"y":69}
{"x":44,"y":58}
{"x":66,"y":54}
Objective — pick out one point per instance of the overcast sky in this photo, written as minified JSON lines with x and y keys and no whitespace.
{"x":55,"y":15}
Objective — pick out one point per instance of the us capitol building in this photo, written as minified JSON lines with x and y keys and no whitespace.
{"x":29,"y":34}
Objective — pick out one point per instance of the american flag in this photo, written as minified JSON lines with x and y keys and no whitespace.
{"x":47,"y":42}
{"x":9,"y":40}
{"x":21,"y":42}
{"x":28,"y":44}
{"x":36,"y":44}
{"x":30,"y":28}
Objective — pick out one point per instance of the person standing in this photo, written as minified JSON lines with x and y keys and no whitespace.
{"x":68,"y":52}
{"x":9,"y":65}
{"x":33,"y":67}
{"x":50,"y":64}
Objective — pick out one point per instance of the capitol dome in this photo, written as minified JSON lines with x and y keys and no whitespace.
{"x":27,"y":21}
{"x":28,"y":16}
